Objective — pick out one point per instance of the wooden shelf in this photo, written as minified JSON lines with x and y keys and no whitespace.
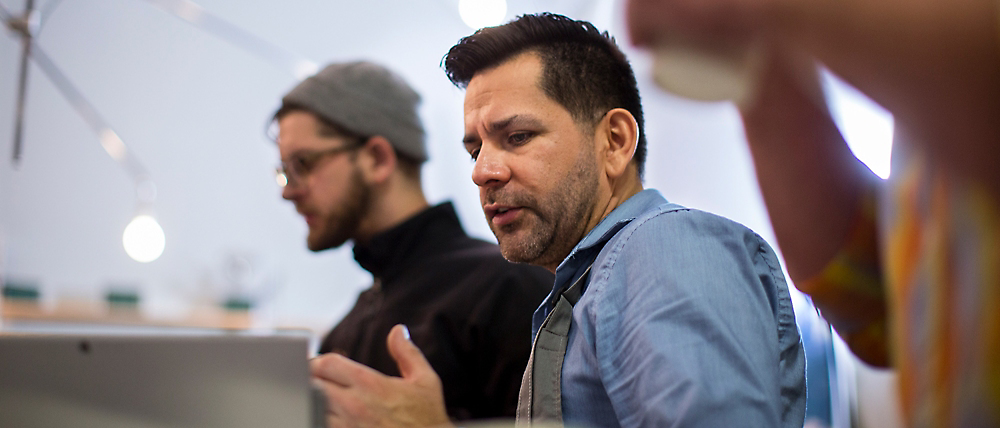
{"x":99,"y":313}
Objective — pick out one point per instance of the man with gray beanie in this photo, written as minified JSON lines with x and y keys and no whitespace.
{"x":351,"y":147}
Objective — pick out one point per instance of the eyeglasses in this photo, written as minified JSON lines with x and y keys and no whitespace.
{"x":291,"y":173}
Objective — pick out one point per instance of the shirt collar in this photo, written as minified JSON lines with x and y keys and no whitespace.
{"x":610,"y":225}
{"x":585,"y":251}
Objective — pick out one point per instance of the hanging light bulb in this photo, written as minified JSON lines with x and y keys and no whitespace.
{"x":143,"y":239}
{"x":482,"y":13}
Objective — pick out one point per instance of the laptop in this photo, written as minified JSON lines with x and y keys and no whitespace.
{"x":112,"y":381}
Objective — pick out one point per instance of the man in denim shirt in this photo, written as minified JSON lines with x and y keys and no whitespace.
{"x":660,"y":315}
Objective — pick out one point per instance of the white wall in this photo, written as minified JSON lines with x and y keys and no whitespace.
{"x":193,"y":108}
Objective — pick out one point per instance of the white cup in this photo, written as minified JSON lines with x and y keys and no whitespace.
{"x":708,"y":72}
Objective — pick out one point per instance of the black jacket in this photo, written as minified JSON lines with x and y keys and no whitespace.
{"x":467,"y":309}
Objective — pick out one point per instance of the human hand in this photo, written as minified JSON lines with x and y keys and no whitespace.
{"x":709,"y":50}
{"x":712,"y":21}
{"x":359,"y":396}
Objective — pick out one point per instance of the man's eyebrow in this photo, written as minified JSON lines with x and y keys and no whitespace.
{"x":516,"y":120}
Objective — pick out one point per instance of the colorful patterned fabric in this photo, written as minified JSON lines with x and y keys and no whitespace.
{"x":942,"y":241}
{"x":849,"y":291}
{"x":939,"y":323}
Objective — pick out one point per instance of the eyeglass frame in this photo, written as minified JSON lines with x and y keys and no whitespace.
{"x":309,"y":161}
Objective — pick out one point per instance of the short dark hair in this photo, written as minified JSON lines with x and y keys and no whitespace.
{"x":327,"y":128}
{"x":583,"y":69}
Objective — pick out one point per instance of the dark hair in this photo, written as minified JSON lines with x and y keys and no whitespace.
{"x":583,"y":69}
{"x":327,"y":128}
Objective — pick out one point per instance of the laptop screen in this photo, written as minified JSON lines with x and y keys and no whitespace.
{"x":154,"y":381}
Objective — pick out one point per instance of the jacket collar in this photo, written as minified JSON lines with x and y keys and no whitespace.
{"x":390,"y":252}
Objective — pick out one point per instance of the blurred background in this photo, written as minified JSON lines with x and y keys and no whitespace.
{"x":189,"y":89}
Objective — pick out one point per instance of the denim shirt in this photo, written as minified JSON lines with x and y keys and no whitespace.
{"x":686,"y":321}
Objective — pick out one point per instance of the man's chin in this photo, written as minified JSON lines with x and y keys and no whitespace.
{"x":517,"y":251}
{"x":321,"y":243}
{"x":316,"y":248}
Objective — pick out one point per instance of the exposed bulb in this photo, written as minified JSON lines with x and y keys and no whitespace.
{"x":143,"y":239}
{"x":482,"y":13}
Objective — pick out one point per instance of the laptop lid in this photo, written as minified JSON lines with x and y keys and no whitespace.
{"x":154,"y":381}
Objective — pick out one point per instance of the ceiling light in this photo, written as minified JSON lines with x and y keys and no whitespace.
{"x":482,"y":13}
{"x":143,"y":239}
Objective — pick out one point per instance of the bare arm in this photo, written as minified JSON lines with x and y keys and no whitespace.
{"x":935,"y":64}
{"x":810,"y":180}
{"x":816,"y":190}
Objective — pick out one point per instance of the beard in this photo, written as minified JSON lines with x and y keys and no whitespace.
{"x":553,"y":223}
{"x":343,"y":221}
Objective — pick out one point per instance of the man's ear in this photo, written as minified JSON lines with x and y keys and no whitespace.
{"x":621,"y":133}
{"x":377,"y":159}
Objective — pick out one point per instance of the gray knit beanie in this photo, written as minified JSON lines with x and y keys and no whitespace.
{"x":365,"y":99}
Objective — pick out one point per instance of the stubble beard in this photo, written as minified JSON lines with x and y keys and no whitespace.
{"x":343,"y":221}
{"x":556,"y":224}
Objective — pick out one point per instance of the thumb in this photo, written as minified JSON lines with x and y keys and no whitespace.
{"x":409,"y":359}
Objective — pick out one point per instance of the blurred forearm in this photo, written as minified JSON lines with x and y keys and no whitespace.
{"x":935,"y":64}
{"x":810,"y":180}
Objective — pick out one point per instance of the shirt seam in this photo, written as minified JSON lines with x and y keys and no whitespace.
{"x":784,"y":301}
{"x":618,"y":242}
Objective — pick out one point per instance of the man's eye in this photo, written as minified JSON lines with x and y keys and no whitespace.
{"x":519,"y":138}
{"x":474,"y":153}
{"x":300,"y":163}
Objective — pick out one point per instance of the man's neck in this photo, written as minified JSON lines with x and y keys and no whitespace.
{"x":619,"y":197}
{"x":621,"y":190}
{"x":391,"y":208}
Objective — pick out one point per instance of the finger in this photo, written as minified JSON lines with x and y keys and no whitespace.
{"x":646,"y":21}
{"x":329,"y":406}
{"x":338,"y":398}
{"x":350,"y":406}
{"x":409,"y":359}
{"x":637,"y":30}
{"x":334,"y":421}
{"x":334,"y":368}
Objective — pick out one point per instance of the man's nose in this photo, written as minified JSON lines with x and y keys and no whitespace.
{"x":491,"y":168}
{"x":291,"y":190}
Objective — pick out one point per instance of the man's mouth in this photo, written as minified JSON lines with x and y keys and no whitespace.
{"x":500,"y":215}
{"x":308,"y":216}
